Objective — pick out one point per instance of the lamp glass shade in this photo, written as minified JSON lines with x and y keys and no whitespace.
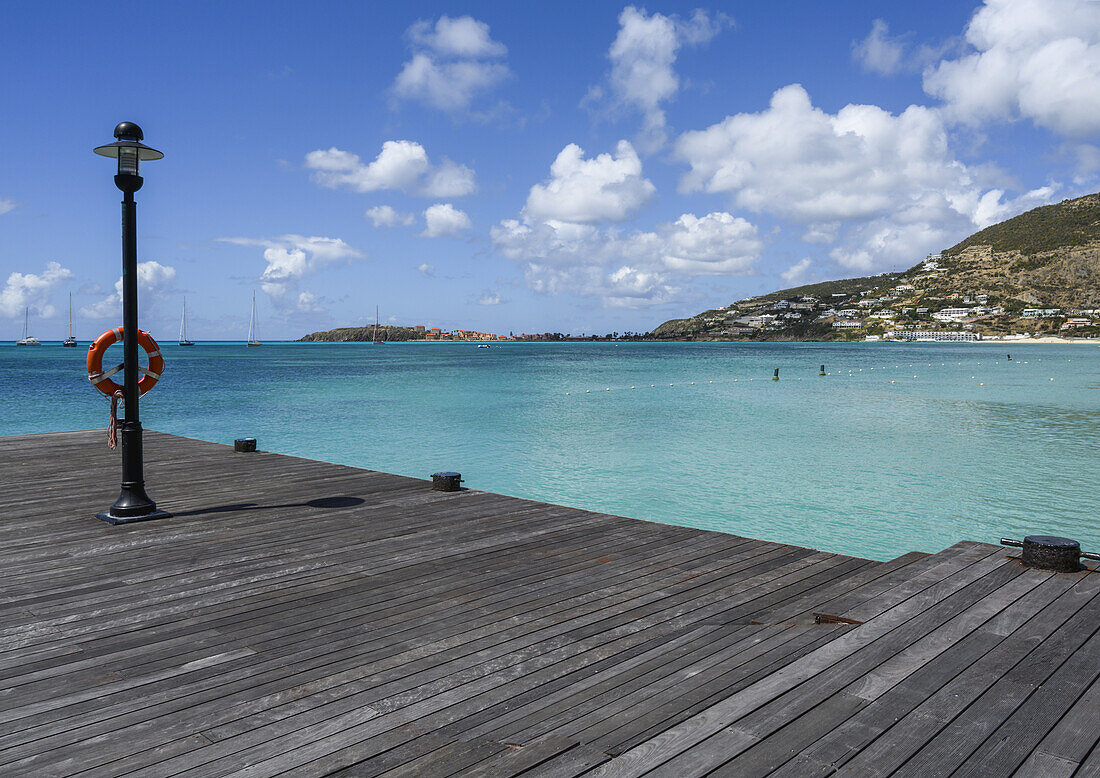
{"x":127,"y":161}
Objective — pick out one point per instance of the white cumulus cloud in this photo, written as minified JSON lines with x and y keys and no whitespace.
{"x":878,"y":52}
{"x":426,"y":270}
{"x":402,"y":165}
{"x":886,"y":188}
{"x":797,"y":272}
{"x":387,"y":216}
{"x":32,"y":290}
{"x":715,"y":244}
{"x":454,"y":62}
{"x":628,"y":269}
{"x":154,"y":280}
{"x":444,"y":220}
{"x":605,"y":188}
{"x":308,"y":303}
{"x":489,"y":298}
{"x":643,"y":54}
{"x":460,"y":37}
{"x":1033,"y":59}
{"x":6,"y":205}
{"x":290,"y":257}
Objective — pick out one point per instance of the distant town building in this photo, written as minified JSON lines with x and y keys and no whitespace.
{"x":951,"y":314}
{"x":935,"y":336}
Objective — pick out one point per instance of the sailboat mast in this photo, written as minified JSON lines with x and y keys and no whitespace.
{"x":252,"y":318}
{"x":183,"y":321}
{"x":70,"y":315}
{"x":375,"y":338}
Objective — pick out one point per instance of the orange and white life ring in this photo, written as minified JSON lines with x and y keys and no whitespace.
{"x":101,"y":379}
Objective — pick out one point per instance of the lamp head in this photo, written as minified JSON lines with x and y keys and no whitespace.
{"x":128,"y":149}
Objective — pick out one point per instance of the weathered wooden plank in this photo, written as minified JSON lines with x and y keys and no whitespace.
{"x":1071,"y":739}
{"x":951,"y":723}
{"x":845,"y":740}
{"x":667,"y":745}
{"x":298,"y":618}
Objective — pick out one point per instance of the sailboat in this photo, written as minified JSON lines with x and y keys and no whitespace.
{"x":183,"y":326}
{"x":27,"y":340}
{"x":70,"y":341}
{"x":252,"y":324}
{"x":375,"y":337}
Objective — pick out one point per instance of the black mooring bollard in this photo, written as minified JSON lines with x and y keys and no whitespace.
{"x":822,"y":370}
{"x":446,"y":482}
{"x":1047,"y":552}
{"x":244,"y":444}
{"x":776,"y":376}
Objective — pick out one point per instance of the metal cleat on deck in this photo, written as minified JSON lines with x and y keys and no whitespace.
{"x":1046,"y":552}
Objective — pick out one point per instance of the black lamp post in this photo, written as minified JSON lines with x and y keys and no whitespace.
{"x":133,"y":504}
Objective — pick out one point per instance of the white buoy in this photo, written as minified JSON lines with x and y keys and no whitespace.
{"x":632,"y":387}
{"x":588,"y":391}
{"x":608,"y":389}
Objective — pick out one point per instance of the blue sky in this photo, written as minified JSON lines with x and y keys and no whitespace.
{"x":521,"y":167}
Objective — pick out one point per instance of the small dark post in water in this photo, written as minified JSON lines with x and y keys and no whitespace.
{"x":244,"y":444}
{"x":446,"y":482}
{"x":1046,"y":552}
{"x":1009,"y":357}
{"x":776,"y":376}
{"x":822,"y":370}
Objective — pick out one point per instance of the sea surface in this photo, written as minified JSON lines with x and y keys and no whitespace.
{"x":900,"y":447}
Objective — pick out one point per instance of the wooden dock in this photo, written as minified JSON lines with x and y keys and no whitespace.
{"x":298,"y":618}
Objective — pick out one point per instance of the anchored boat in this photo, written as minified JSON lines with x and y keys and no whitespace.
{"x":70,"y":341}
{"x":183,"y":326}
{"x":252,"y":324}
{"x":27,"y":340}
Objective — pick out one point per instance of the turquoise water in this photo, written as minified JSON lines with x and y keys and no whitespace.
{"x":849,"y":462}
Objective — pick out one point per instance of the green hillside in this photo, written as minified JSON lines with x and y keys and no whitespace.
{"x":1047,"y":258}
{"x":827,"y":288}
{"x":1048,"y":228}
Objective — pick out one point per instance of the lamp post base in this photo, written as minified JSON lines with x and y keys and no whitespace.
{"x":155,"y":514}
